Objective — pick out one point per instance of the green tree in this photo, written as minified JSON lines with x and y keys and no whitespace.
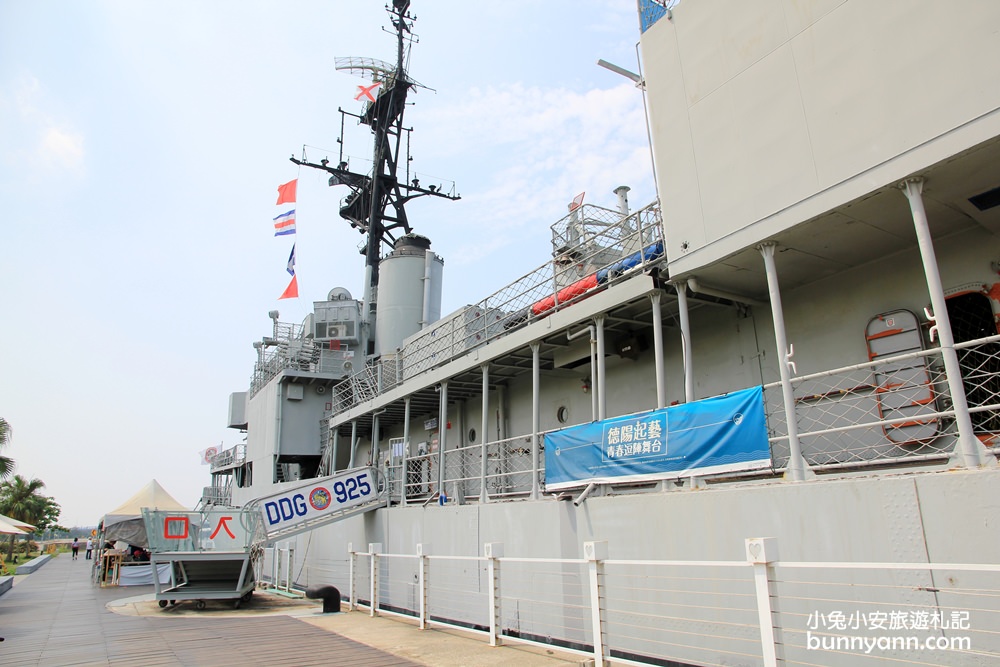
{"x":6,"y":463}
{"x":20,"y":499}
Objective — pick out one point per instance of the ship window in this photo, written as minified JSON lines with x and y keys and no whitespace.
{"x":971,"y":315}
{"x":472,"y":435}
{"x":562,"y":414}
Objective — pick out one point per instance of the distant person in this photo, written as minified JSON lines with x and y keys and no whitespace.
{"x":76,"y":547}
{"x":90,"y":548}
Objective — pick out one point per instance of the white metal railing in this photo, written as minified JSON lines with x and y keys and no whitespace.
{"x":842,"y":416}
{"x":592,"y":244}
{"x":894,"y":409}
{"x":229,"y":458}
{"x":217,"y":495}
{"x":758,"y":611}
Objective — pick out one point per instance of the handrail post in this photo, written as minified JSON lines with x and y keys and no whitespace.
{"x":374,"y":548}
{"x":762,"y":552}
{"x":352,"y":587}
{"x":423,"y":565}
{"x":494,"y":552}
{"x":596,"y":553}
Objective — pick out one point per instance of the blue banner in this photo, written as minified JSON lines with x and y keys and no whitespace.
{"x":720,"y":434}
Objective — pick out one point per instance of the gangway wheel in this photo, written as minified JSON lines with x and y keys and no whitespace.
{"x":200,"y":605}
{"x":163,"y":603}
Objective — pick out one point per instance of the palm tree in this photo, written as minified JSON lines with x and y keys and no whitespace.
{"x":6,"y":463}
{"x":19,"y":499}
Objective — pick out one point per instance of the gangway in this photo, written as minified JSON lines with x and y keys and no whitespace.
{"x":213,"y":553}
{"x":318,"y":502}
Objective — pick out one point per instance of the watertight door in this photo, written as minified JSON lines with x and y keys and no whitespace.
{"x":903,"y":387}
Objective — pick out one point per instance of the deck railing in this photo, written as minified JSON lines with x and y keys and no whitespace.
{"x":757,"y":611}
{"x":842,"y":416}
{"x":594,"y":247}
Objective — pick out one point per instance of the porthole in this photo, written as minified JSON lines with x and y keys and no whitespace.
{"x":562,"y":414}
{"x":472,"y":435}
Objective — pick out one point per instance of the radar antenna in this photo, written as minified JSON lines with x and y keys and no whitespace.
{"x":376,"y":203}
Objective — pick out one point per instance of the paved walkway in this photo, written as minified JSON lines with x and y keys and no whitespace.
{"x":56,"y":617}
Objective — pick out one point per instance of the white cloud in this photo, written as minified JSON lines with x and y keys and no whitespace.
{"x":59,"y":147}
{"x":44,"y":142}
{"x":542,"y":147}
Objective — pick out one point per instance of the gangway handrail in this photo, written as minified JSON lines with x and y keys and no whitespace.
{"x":320,"y":521}
{"x":319,"y":502}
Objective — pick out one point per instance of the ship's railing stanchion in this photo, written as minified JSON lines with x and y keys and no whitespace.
{"x":762,"y":552}
{"x":374,"y":549}
{"x":352,"y":586}
{"x":596,"y":553}
{"x":423,"y":550}
{"x":493,"y":552}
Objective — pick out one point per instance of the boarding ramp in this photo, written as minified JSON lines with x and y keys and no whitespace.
{"x":211,"y":554}
{"x":318,"y":502}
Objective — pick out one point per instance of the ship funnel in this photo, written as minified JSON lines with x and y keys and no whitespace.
{"x":622,"y":192}
{"x":409,"y":292}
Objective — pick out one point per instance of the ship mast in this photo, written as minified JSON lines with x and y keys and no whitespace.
{"x":376,"y":204}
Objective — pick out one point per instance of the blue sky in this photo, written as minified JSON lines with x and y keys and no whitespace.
{"x":141,"y":145}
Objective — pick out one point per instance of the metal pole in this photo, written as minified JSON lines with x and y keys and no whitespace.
{"x":797,"y":468}
{"x":969,"y":452}
{"x":661,"y":381}
{"x":682,"y":309}
{"x":484,"y":438}
{"x":595,"y":554}
{"x":374,"y":452}
{"x":442,"y":437}
{"x":602,"y":399}
{"x":406,"y":449}
{"x":354,"y":443}
{"x":535,"y":416}
{"x":336,"y":445}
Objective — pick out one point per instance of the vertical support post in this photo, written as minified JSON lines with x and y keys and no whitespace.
{"x":351,"y":584}
{"x":484,"y":434}
{"x":442,"y":438}
{"x":406,"y":451}
{"x":354,"y":443}
{"x":762,"y":552}
{"x":797,"y":470}
{"x":336,"y":446}
{"x":458,"y":486}
{"x":602,"y":397}
{"x":535,"y":416}
{"x":685,"y":321}
{"x":661,"y":382}
{"x":375,"y":441}
{"x":969,"y":451}
{"x":494,"y":552}
{"x":423,"y":564}
{"x":595,"y":554}
{"x":374,"y":548}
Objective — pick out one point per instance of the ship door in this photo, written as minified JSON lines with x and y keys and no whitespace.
{"x":972,"y":317}
{"x":902,"y":386}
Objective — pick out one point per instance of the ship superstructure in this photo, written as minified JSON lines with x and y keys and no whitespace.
{"x":826,"y":231}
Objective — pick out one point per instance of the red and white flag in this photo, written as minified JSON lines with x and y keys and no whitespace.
{"x":577,"y":202}
{"x":206,"y":455}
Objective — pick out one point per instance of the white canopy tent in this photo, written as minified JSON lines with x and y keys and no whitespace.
{"x":125,"y":522}
{"x":23,"y":525}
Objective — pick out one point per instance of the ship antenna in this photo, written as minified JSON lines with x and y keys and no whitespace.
{"x":377,"y":201}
